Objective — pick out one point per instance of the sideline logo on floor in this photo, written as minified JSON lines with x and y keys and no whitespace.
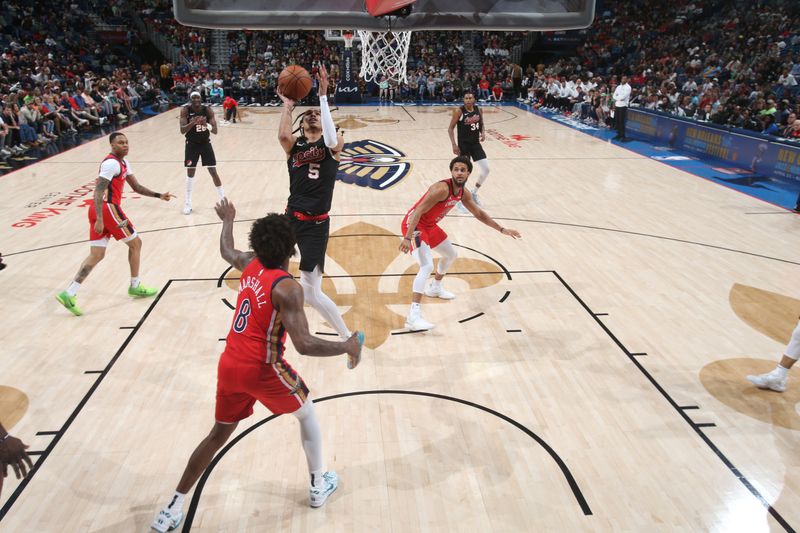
{"x":372,"y":164}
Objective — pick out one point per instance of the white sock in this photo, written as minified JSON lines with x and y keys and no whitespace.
{"x":415,"y":307}
{"x":72,"y":290}
{"x":781,"y":372}
{"x":435,"y":283}
{"x":316,"y":478}
{"x":221,"y":192}
{"x":311,"y":437}
{"x":175,"y":505}
{"x":134,"y":282}
{"x":189,"y":185}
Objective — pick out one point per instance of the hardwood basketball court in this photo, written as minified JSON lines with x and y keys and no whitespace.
{"x":589,"y":377}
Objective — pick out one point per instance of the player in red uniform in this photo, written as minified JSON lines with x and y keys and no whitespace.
{"x":106,"y":219}
{"x":421,"y":234}
{"x":252,"y":367}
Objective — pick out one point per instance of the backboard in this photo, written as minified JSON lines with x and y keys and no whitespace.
{"x":504,"y":15}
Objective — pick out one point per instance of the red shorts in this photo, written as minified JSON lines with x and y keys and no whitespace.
{"x":115,"y":223}
{"x":276,"y":386}
{"x":433,"y":236}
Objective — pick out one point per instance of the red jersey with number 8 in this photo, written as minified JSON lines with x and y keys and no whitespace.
{"x":257,"y":334}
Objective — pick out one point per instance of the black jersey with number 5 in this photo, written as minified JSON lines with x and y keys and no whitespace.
{"x":312,"y":175}
{"x":469,"y":125}
{"x":200,"y":133}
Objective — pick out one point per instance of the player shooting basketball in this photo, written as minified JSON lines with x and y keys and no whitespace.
{"x":313,"y":160}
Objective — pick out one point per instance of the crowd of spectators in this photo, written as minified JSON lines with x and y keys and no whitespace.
{"x":731,"y":63}
{"x":57,"y":78}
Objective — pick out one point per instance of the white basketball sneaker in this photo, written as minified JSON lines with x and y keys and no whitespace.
{"x":770,"y":380}
{"x":415,"y":322}
{"x":435,"y":290}
{"x":318,"y":494}
{"x":461,"y":208}
{"x":187,"y":208}
{"x":166,"y":522}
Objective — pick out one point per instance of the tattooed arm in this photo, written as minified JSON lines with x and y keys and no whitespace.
{"x":100,"y":190}
{"x":144,"y":191}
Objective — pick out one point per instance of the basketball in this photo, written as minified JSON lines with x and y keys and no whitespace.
{"x":294,"y":82}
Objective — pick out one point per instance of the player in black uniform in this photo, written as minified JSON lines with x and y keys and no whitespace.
{"x":471,"y":134}
{"x":197,"y":124}
{"x":313,"y":160}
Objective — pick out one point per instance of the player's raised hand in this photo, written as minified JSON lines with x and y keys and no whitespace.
{"x":322,"y":78}
{"x":225,"y":210}
{"x":288,"y":102}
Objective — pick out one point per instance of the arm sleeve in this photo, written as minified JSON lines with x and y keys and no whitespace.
{"x":108,"y":169}
{"x":328,"y":127}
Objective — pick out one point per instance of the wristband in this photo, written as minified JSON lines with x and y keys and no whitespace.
{"x":157,"y":195}
{"x":407,"y":239}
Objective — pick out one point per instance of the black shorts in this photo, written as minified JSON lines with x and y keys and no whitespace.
{"x":312,"y":239}
{"x":473,"y":150}
{"x":195,"y":151}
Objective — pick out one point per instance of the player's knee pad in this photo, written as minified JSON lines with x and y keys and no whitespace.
{"x":312,"y":285}
{"x":424,"y":257}
{"x":306,"y":410}
{"x":449,"y":254}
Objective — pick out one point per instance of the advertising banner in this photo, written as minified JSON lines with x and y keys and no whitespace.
{"x":757,"y":153}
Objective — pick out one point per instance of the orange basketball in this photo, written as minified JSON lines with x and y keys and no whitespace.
{"x":294,"y":82}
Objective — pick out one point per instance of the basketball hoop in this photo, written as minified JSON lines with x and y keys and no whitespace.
{"x":384,"y":53}
{"x":348,"y":38}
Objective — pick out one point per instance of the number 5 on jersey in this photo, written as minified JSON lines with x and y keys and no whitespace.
{"x":313,"y":171}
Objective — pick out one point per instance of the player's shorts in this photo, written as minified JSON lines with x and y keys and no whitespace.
{"x":196,"y":151}
{"x":312,"y":240}
{"x":473,"y":150}
{"x":115,"y":223}
{"x":433,"y":236}
{"x":277,"y":386}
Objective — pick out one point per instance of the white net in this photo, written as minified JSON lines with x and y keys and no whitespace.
{"x":384,"y":54}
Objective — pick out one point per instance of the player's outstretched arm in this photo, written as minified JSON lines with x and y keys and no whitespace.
{"x":285,"y":136}
{"x":236,"y":258}
{"x":288,"y":297}
{"x":332,"y":140}
{"x":144,"y":191}
{"x":484,"y":217}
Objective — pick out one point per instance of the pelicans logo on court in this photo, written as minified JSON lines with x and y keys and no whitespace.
{"x":372,"y":164}
{"x":376,"y":295}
